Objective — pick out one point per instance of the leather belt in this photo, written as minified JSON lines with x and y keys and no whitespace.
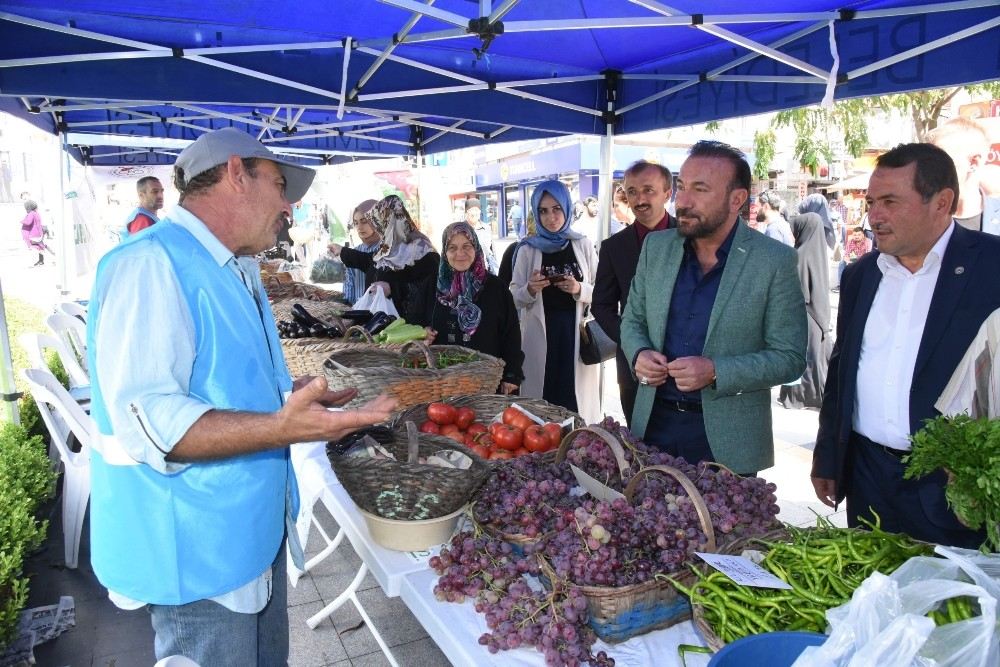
{"x":891,"y":451}
{"x":681,"y":406}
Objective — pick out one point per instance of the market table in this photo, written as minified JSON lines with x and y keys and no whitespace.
{"x":455,"y":628}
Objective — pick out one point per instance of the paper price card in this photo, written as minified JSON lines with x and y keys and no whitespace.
{"x":743,"y":571}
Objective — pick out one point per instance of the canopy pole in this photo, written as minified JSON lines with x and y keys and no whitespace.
{"x":65,"y":226}
{"x":606,"y":175}
{"x":8,"y":392}
{"x":605,"y":179}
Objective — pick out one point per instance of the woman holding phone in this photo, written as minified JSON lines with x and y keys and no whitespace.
{"x":552,"y":283}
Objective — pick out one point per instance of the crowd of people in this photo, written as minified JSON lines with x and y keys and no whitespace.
{"x":708,"y":315}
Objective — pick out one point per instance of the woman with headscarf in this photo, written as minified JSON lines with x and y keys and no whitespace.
{"x":814,"y":274}
{"x":406,"y":264}
{"x":33,"y":232}
{"x":358,"y":261}
{"x":473,"y":308}
{"x":552,"y":284}
{"x":816,"y":203}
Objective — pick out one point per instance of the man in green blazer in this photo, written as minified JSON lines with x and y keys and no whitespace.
{"x":715,"y":318}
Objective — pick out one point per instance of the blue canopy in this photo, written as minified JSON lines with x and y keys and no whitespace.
{"x":338,"y":79}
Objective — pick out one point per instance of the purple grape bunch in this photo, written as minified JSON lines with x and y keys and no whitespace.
{"x":525,"y":496}
{"x":553,"y":622}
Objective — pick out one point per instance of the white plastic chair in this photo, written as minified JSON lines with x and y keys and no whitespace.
{"x":73,"y":309}
{"x":49,"y":395}
{"x":35,"y":345}
{"x":73,"y":333}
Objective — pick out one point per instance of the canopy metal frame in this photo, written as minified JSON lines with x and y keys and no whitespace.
{"x":367,"y":121}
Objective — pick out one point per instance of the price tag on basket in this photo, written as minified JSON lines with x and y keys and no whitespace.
{"x":743,"y":571}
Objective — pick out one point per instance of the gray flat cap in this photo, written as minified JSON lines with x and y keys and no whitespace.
{"x":215,"y":147}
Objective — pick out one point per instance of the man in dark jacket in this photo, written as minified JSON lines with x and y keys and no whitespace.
{"x":647,"y":186}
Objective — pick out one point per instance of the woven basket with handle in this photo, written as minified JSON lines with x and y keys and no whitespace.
{"x":295,"y":290}
{"x":404,"y":490}
{"x":620,"y":613}
{"x":487,"y":406}
{"x":328,"y":311}
{"x":374,"y":370}
{"x":305,"y":356}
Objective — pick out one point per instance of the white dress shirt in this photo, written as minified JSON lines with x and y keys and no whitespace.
{"x":893,"y":332}
{"x":146,"y":380}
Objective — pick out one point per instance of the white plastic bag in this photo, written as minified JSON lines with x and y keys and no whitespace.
{"x":376,"y":301}
{"x":885,"y":624}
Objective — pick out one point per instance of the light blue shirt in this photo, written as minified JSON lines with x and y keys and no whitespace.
{"x":153,"y":364}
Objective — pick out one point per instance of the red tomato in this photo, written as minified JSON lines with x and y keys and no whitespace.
{"x":482,"y":451}
{"x":507,"y":437}
{"x":486,"y":440}
{"x":475,"y":428}
{"x":535,"y":439}
{"x":453,"y":432}
{"x":465,"y":417}
{"x":515,"y":417}
{"x":441,"y":413}
{"x":429,"y":427}
{"x":521,"y":451}
{"x":500,"y":454}
{"x":553,"y":432}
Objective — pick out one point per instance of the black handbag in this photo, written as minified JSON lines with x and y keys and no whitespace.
{"x":595,"y":345}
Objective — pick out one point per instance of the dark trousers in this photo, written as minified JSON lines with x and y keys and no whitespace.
{"x":560,"y":361}
{"x":916,"y":507}
{"x":678,"y":433}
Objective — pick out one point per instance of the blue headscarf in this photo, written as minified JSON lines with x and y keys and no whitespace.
{"x":544,"y":240}
{"x":458,"y":289}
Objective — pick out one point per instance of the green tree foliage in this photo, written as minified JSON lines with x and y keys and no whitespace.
{"x":815,"y":127}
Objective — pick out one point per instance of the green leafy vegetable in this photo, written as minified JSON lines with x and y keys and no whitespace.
{"x":969,"y":451}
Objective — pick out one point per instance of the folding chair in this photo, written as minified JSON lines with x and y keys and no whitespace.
{"x":50,"y":395}
{"x":73,"y":333}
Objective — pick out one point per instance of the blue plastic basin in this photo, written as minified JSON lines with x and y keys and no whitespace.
{"x":770,"y":649}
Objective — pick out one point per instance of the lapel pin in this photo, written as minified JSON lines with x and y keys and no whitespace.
{"x":959,"y":270}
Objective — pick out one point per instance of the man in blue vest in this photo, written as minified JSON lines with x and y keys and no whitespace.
{"x":150,"y":192}
{"x":192,"y":488}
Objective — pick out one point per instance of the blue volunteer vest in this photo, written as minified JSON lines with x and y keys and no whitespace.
{"x":131,"y":216}
{"x":215,"y":526}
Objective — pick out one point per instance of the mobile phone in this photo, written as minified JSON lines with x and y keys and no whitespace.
{"x":557,"y":278}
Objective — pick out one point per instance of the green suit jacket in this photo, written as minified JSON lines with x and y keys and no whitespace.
{"x":756,"y":338}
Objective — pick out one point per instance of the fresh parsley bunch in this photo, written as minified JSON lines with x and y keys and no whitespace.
{"x":969,"y":451}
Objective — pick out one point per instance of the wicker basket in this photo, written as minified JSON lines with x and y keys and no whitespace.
{"x":487,"y":406}
{"x":376,"y":370}
{"x":620,"y":613}
{"x":305,"y":356}
{"x":294,"y":290}
{"x":409,"y":491}
{"x":328,"y":311}
{"x":736,"y":547}
{"x":612,"y":442}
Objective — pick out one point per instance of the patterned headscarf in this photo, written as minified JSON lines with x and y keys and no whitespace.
{"x":544,"y":240}
{"x":402,"y":245}
{"x":458,"y":289}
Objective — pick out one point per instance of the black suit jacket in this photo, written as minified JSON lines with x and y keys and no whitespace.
{"x":616,"y":264}
{"x":967,"y":291}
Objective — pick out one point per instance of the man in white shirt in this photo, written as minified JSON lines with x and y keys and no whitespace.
{"x":907,"y":314}
{"x":192,"y":488}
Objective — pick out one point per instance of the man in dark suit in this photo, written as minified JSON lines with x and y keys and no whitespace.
{"x":907,"y":315}
{"x":647,"y":187}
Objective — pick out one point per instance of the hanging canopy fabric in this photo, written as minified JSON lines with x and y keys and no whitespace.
{"x":338,"y":79}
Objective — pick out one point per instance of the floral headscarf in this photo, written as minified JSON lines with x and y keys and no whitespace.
{"x":544,"y":240}
{"x":402,"y":245}
{"x":458,"y":289}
